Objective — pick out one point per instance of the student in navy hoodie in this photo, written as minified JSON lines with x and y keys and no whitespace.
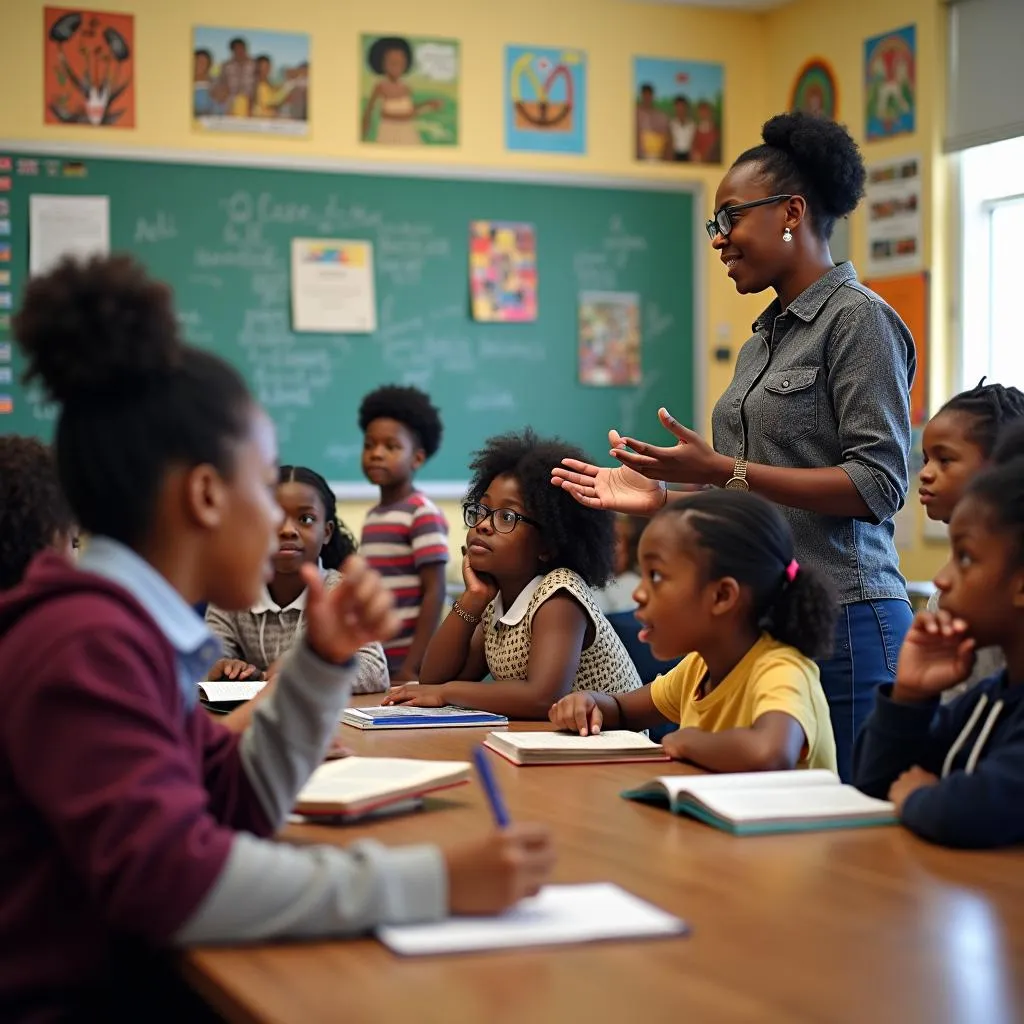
{"x":956,"y":771}
{"x":130,"y":821}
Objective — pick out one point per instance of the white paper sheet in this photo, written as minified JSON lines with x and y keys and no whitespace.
{"x":558,"y":914}
{"x":62,"y":226}
{"x":332,"y":286}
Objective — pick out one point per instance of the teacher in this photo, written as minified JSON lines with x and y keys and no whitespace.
{"x":817,"y":417}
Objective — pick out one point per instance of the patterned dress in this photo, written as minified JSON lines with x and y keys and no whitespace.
{"x":604,"y":666}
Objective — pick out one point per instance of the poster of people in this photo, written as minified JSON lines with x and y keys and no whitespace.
{"x":545,"y":99}
{"x":679,"y":105}
{"x":503,"y":271}
{"x":890,"y":89}
{"x":247,"y":80}
{"x":609,"y":342}
{"x":88,"y":68}
{"x":893,"y":201}
{"x":409,"y":91}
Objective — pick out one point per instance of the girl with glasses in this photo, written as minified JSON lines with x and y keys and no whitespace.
{"x":817,"y":417}
{"x":528,"y":616}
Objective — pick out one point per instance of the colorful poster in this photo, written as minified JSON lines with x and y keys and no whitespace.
{"x":503,"y":271}
{"x":88,"y":68}
{"x":679,"y":105}
{"x":890,"y":90}
{"x":609,"y":352}
{"x":409,"y":91}
{"x":545,"y":99}
{"x":332,"y":286}
{"x":248,"y":80}
{"x":815,"y":91}
{"x":895,"y":226}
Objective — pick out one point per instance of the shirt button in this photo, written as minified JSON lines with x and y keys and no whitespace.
{"x":785,"y":384}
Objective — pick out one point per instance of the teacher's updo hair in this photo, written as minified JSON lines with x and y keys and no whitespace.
{"x":813,"y":157}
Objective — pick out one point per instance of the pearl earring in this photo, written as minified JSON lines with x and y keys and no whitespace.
{"x":787,"y":235}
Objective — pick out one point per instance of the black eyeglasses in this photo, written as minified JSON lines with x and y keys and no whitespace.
{"x":721,"y":222}
{"x":502,"y":519}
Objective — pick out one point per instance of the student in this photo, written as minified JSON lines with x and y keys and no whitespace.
{"x":528,"y":615}
{"x":129,"y":819}
{"x":33,"y":513}
{"x":956,"y":771}
{"x":720,"y":581}
{"x":405,"y":537}
{"x":617,"y":595}
{"x":253,"y":641}
{"x":957,"y":445}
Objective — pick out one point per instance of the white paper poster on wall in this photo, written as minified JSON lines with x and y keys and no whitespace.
{"x":893,"y":200}
{"x":62,"y":226}
{"x":332,"y":286}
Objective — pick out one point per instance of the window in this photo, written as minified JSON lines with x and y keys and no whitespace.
{"x":992,"y":219}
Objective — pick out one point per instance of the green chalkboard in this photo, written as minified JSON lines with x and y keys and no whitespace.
{"x":221,"y":235}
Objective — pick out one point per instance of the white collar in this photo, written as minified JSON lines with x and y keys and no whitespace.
{"x":267,"y":604}
{"x":520,"y":605}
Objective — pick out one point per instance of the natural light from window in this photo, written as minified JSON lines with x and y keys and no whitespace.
{"x":992,"y":218}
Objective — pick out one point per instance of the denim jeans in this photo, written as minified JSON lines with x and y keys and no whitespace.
{"x":869,"y":635}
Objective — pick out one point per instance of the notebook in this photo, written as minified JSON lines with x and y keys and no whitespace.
{"x":229,"y":693}
{"x":403,"y":716}
{"x":355,"y":786}
{"x":533,"y":748}
{"x":558,"y":914}
{"x":758,"y":803}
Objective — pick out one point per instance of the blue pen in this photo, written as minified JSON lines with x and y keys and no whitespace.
{"x":490,"y":785}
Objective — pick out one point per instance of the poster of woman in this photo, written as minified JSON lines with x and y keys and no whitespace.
{"x":409,"y":93}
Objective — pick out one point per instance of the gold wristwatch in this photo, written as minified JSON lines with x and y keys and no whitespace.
{"x":738,"y":480}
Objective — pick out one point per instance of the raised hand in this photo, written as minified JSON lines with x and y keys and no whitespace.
{"x":937,"y":654}
{"x":490,"y":875}
{"x":356,"y":612}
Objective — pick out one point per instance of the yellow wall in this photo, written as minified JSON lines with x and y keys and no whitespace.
{"x":836,"y":31}
{"x":761,"y":53}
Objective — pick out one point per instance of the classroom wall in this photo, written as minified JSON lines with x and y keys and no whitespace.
{"x":836,"y":32}
{"x":762,"y":53}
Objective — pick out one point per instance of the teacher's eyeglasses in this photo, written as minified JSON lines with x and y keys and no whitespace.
{"x":503,"y":520}
{"x":721,"y":223}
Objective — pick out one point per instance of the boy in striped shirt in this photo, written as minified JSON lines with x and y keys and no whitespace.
{"x":405,"y":537}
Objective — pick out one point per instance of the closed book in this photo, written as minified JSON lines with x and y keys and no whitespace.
{"x":404,"y":716}
{"x":549,"y":748}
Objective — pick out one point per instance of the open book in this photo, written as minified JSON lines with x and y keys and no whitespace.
{"x":532,"y":748}
{"x":355,"y":786}
{"x":226,"y":694}
{"x":756,"y":803}
{"x":405,"y":716}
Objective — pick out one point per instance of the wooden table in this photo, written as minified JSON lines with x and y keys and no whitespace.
{"x":864,"y":925}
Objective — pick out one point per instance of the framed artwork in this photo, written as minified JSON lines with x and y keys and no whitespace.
{"x":545,"y":99}
{"x":890,"y":84}
{"x":815,"y":90}
{"x":678,"y":111}
{"x":409,"y":91}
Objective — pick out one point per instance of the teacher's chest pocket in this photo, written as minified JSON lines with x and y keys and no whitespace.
{"x":789,"y":404}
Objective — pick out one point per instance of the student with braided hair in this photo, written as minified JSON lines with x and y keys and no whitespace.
{"x":959,"y":443}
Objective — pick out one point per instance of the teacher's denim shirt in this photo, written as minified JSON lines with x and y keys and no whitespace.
{"x":826,"y":382}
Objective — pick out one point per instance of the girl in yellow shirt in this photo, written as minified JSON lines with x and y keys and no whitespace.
{"x":720,"y":585}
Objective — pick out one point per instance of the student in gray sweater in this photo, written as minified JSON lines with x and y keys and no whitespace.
{"x":255,"y":640}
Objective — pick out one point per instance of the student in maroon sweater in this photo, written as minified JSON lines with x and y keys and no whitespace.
{"x":130,"y":821}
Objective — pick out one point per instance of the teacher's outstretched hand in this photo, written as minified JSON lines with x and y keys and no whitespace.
{"x":637,"y":486}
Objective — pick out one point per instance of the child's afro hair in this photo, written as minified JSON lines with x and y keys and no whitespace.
{"x":578,"y":538}
{"x":410,"y":407}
